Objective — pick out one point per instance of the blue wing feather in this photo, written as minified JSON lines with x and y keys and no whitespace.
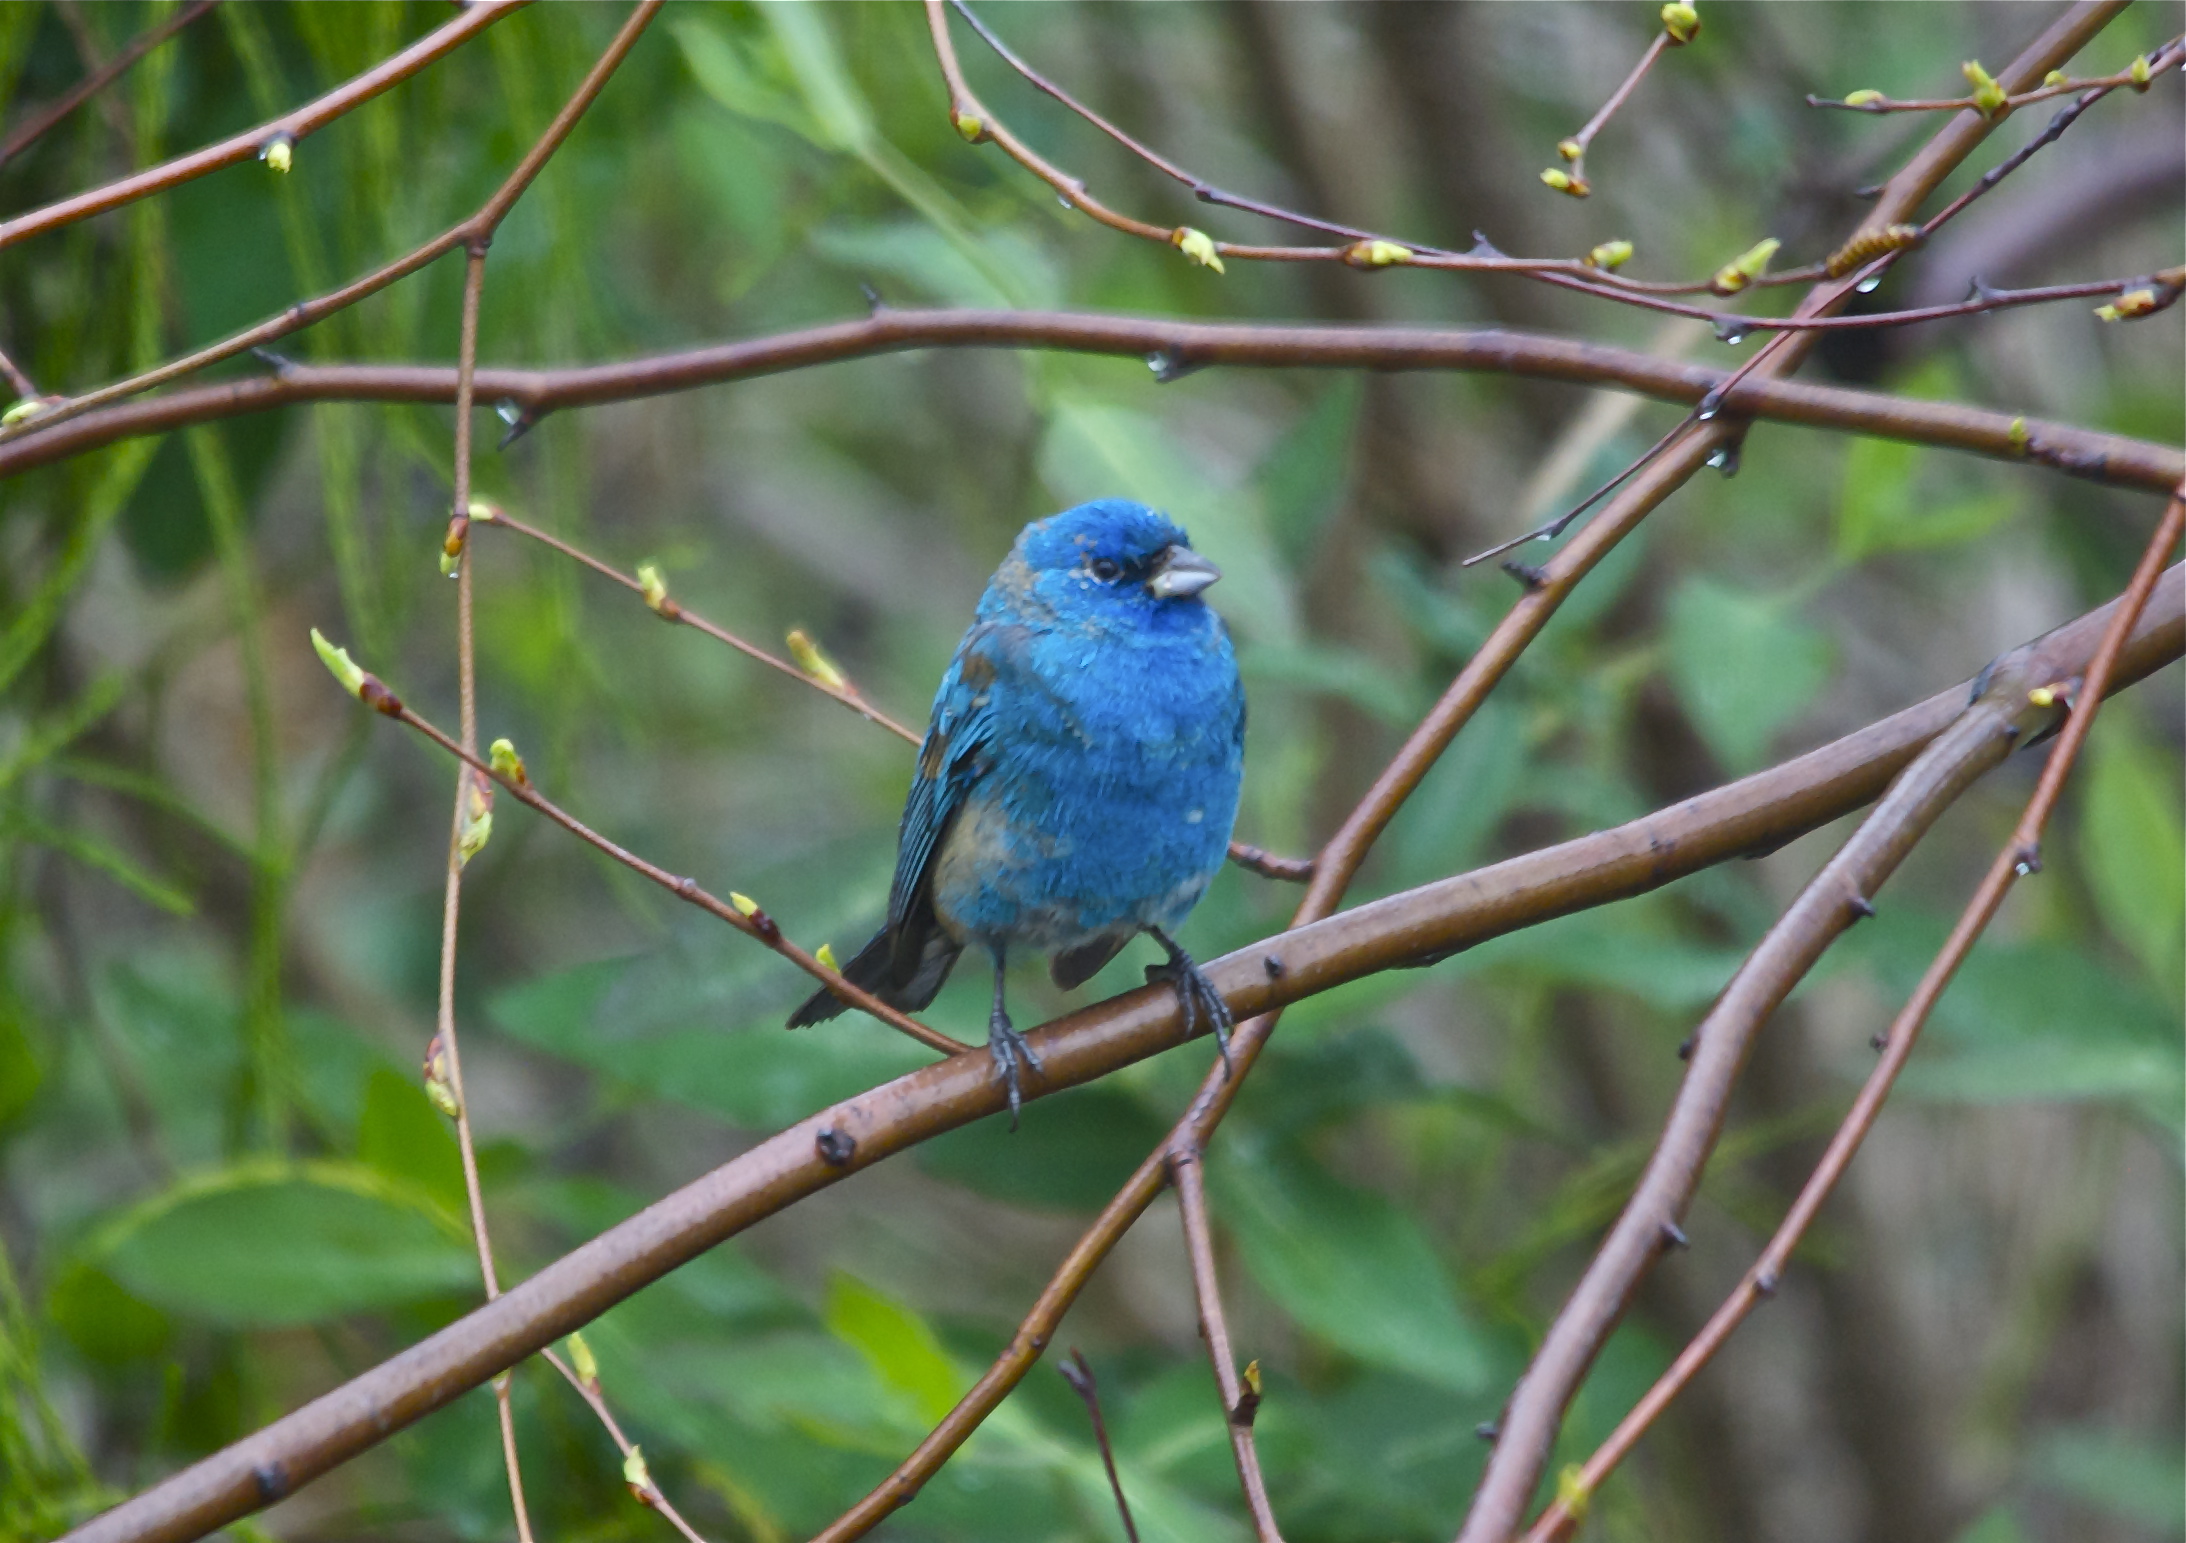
{"x":951,"y":761}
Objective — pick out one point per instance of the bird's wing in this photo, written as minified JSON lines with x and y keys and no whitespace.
{"x":950,"y":763}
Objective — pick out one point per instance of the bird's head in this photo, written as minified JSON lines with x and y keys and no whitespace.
{"x":1109,"y":560}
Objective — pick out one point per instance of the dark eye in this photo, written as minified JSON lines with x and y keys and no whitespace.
{"x":1106,"y":570}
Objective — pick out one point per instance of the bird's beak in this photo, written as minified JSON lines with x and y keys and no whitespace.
{"x":1181,"y":572}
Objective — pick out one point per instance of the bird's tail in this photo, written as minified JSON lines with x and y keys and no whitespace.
{"x":905,"y":977}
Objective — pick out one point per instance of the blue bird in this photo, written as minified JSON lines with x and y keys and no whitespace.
{"x":1078,"y":779}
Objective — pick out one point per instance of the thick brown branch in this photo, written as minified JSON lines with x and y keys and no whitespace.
{"x":1755,"y":814}
{"x":247,"y":145}
{"x":1174,"y":344}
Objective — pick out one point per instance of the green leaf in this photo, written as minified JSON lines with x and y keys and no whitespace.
{"x":896,"y":1343}
{"x":1349,"y":1266}
{"x":1301,"y":481}
{"x":2116,"y":1473}
{"x":1071,"y":1154}
{"x":761,"y":1078}
{"x":266,"y":1243}
{"x":20,"y":1072}
{"x":1742,"y":666}
{"x":1612,"y":951}
{"x":2133,"y":847}
{"x":96,"y":855}
{"x":102,"y":1320}
{"x":400,"y":1134}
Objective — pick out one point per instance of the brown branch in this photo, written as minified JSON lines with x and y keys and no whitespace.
{"x":1179,"y":345}
{"x":2162,"y":61}
{"x":480,"y":224}
{"x":251,"y":143}
{"x":1573,"y":150}
{"x":1238,"y":1408}
{"x":1754,"y":814}
{"x":23,"y":386}
{"x":99,"y":79}
{"x":2019,"y":857}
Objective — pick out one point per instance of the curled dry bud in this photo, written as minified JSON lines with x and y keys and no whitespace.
{"x":1682,"y":22}
{"x":1566,"y":182}
{"x":2134,"y":302}
{"x":582,"y":1362}
{"x":502,"y":757}
{"x":1988,"y":96}
{"x":1745,"y":267}
{"x":477,"y":827}
{"x":1862,"y":98}
{"x":1610,"y":256}
{"x":439,"y":1088}
{"x":279,"y":152}
{"x":1197,"y":245}
{"x":813,"y":662}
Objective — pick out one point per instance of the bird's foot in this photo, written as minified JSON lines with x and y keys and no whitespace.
{"x":1010,"y":1049}
{"x":1196,"y":994}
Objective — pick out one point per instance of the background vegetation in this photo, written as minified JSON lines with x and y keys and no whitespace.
{"x":222,"y":1188}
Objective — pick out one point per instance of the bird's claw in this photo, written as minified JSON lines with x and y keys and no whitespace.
{"x":1010,"y":1049}
{"x":1196,"y":995}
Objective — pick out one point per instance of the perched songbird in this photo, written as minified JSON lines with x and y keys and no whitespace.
{"x":1078,"y":780}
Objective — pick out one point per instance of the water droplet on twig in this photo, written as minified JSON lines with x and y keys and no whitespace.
{"x":1725,"y":460}
{"x":1870,"y":284}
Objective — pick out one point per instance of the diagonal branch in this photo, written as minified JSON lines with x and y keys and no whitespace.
{"x":1176,"y":346}
{"x":1416,"y":927}
{"x":99,"y":79}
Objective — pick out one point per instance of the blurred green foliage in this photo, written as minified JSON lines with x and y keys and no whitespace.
{"x":222,"y":1190}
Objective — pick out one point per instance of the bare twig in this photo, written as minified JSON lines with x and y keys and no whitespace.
{"x":1573,"y":150}
{"x":1080,"y":1377}
{"x":650,"y":1493}
{"x":2018,"y":858}
{"x":99,"y":79}
{"x":1757,"y":813}
{"x":1175,"y":344}
{"x":1239,"y":1404}
{"x":482,"y":222}
{"x":289,"y":127}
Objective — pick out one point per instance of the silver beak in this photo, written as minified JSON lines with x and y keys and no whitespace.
{"x":1182,"y":572}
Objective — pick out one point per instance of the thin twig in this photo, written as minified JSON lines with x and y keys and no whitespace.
{"x":98,"y":79}
{"x":248,"y":145}
{"x":483,"y":221}
{"x":1573,"y":150}
{"x":651,"y":1494}
{"x":1239,"y":1405}
{"x":1080,"y":1377}
{"x":2162,"y":60}
{"x":23,"y":386}
{"x":2018,"y":858}
{"x":1181,"y":344}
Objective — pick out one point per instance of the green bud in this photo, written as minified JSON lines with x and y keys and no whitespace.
{"x":29,"y":407}
{"x":1610,"y":255}
{"x":1196,"y":245}
{"x":345,"y":669}
{"x":1862,"y":98}
{"x":1682,"y":22}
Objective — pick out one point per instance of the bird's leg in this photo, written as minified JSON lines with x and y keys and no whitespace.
{"x":1195,"y":993}
{"x":1007,"y":1045}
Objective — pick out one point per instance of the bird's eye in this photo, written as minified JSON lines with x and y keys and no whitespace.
{"x":1106,"y":570}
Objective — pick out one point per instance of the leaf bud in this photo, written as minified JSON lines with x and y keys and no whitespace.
{"x":477,"y":825}
{"x":638,"y":1476}
{"x":655,"y":589}
{"x":825,"y":953}
{"x":1610,"y":256}
{"x":279,"y":152}
{"x":1988,"y":96}
{"x":2140,"y":74}
{"x":28,"y":407}
{"x":1682,"y":22}
{"x":502,"y":757}
{"x":1864,"y":98}
{"x":969,"y":126}
{"x":2056,"y":78}
{"x":1570,"y":149}
{"x":813,"y":662}
{"x":1743,"y":269}
{"x":2132,"y":303}
{"x":582,"y":1361}
{"x":439,"y":1088}
{"x":1196,"y":245}
{"x":1376,"y":254}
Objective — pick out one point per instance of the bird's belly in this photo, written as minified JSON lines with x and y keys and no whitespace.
{"x":1055,"y":857}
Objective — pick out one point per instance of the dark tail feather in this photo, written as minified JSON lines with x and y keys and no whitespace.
{"x":903,"y":978}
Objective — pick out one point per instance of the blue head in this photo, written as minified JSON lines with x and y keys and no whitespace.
{"x":1107,"y":564}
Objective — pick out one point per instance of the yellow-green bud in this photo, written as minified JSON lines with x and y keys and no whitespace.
{"x":1865,"y":98}
{"x":1988,"y":96}
{"x":2018,"y":437}
{"x":743,"y":903}
{"x":1744,"y":268}
{"x":1565,"y":182}
{"x":2134,"y":302}
{"x":638,"y":1476}
{"x":502,"y":757}
{"x":826,"y":955}
{"x":813,"y":662}
{"x":345,"y":669}
{"x":1570,"y":149}
{"x":1376,"y":254}
{"x":29,"y":407}
{"x":439,"y":1088}
{"x":1197,"y":245}
{"x":582,"y":1362}
{"x":969,"y":126}
{"x":1610,"y":255}
{"x":279,"y":152}
{"x":2140,"y":74}
{"x":2056,"y":78}
{"x":477,"y":827}
{"x":1682,"y":22}
{"x":655,"y":590}
{"x":1572,"y":1492}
